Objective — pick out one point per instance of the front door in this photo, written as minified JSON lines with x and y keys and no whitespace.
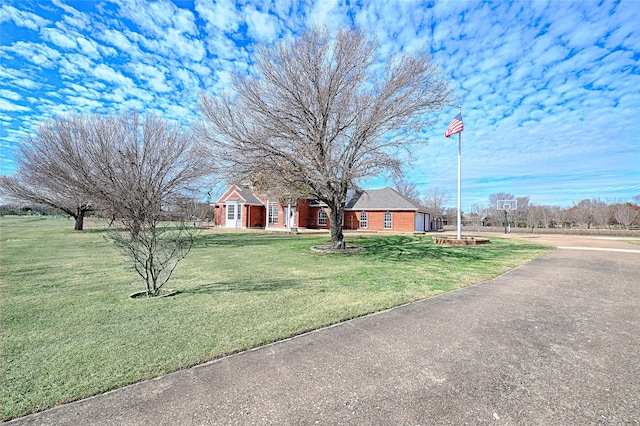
{"x":234,"y":215}
{"x":290,"y":217}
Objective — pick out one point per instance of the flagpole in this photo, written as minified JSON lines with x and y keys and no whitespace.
{"x":459,"y":156}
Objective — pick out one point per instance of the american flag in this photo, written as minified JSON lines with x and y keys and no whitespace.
{"x":455,"y":126}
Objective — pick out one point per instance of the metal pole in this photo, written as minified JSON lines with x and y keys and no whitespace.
{"x":506,"y":221}
{"x":459,"y":155}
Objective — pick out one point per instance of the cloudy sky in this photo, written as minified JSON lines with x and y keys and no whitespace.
{"x":550,"y":90}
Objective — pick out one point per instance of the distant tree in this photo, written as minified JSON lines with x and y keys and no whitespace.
{"x":451,"y":215}
{"x":521,"y":214}
{"x":434,"y":200}
{"x":492,"y":209}
{"x":625,"y":213}
{"x":407,"y":189}
{"x":321,"y":114}
{"x":45,"y":174}
{"x":583,"y":213}
{"x":535,"y":216}
{"x":558,"y":216}
{"x":601,"y":213}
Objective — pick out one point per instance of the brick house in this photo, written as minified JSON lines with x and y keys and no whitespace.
{"x":369,"y":210}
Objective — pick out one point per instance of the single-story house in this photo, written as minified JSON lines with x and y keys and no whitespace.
{"x":368,"y":210}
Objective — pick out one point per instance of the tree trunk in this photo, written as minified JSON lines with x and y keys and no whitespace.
{"x":335,"y":217}
{"x":79,"y":218}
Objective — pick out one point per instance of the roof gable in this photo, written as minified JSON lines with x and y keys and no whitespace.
{"x":243,"y":194}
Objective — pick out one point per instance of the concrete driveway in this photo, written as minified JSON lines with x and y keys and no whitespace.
{"x":556,"y":341}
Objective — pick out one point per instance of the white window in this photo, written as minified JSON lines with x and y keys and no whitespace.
{"x":231,"y":212}
{"x":363,"y":220}
{"x":322,"y":218}
{"x":388,"y":224}
{"x":273,"y":214}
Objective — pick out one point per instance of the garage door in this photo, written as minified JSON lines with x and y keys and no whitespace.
{"x":419,"y":222}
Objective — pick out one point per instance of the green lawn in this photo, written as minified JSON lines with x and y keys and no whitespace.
{"x":70,"y":331}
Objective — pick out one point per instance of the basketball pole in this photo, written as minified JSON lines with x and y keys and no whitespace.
{"x":459,"y":155}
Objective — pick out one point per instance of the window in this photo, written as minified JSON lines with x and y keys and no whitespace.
{"x":387,"y":220}
{"x":273,"y":214}
{"x":322,"y":218}
{"x":231,"y":212}
{"x":363,"y":220}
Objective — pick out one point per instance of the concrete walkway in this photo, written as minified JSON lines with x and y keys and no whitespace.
{"x":556,"y":341}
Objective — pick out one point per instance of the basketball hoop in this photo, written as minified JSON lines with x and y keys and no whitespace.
{"x":506,"y":206}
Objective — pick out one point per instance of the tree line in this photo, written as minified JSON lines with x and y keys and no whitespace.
{"x":587,"y":213}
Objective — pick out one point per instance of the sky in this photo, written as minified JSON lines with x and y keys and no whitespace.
{"x":549,"y":90}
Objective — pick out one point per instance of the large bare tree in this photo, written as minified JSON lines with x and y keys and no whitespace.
{"x":131,"y":168}
{"x":44,"y":175}
{"x":321,"y":114}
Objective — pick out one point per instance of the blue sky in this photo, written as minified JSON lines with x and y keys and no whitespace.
{"x":550,"y":89}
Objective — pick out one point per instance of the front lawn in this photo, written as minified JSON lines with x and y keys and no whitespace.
{"x":70,"y":331}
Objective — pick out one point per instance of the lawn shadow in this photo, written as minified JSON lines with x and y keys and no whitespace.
{"x":243,"y":286}
{"x":403,"y":248}
{"x":242,"y":239}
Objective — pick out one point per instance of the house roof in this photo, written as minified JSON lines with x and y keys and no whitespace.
{"x":244,"y":194}
{"x":381,"y":199}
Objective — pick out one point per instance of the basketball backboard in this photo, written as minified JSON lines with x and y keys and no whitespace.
{"x":507,"y":205}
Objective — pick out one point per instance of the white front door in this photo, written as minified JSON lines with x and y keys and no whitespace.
{"x":290,"y":217}
{"x":234,"y":215}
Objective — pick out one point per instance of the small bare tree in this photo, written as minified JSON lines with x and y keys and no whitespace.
{"x":138,"y":168}
{"x":321,"y":115}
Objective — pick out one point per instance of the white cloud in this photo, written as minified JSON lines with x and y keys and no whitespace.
{"x":6,"y":105}
{"x":58,"y":38}
{"x":8,"y":94}
{"x":219,"y":16}
{"x":22,"y":18}
{"x":108,"y":74}
{"x":88,"y":47}
{"x":37,"y":53}
{"x":121,"y":41}
{"x":154,"y":77}
{"x":260,"y":25}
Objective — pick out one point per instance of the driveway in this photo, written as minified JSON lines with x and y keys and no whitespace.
{"x":556,"y":341}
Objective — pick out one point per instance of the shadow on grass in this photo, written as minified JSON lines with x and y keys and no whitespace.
{"x":407,"y":248}
{"x":244,"y":286}
{"x":241,"y":239}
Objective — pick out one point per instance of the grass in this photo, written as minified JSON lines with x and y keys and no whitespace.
{"x":70,"y":331}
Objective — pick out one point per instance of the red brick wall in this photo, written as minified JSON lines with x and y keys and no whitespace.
{"x":254,"y":217}
{"x":401,"y":221}
{"x":220,"y":215}
{"x":303,"y":212}
{"x":313,"y":218}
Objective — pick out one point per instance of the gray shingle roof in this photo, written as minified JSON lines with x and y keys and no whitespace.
{"x":381,"y":199}
{"x":247,"y":196}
